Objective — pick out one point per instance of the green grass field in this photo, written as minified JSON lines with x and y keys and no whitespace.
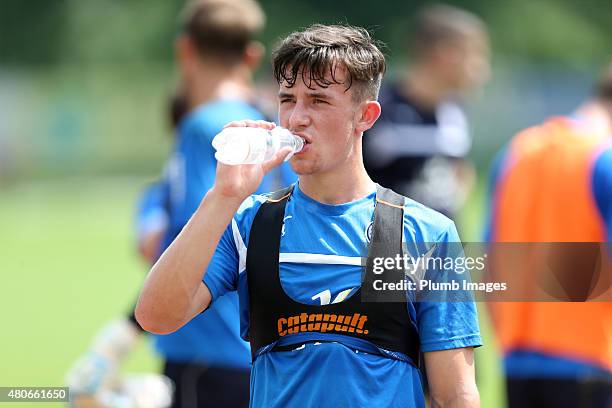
{"x":68,"y":265}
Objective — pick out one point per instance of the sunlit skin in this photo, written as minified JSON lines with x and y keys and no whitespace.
{"x":332,"y":123}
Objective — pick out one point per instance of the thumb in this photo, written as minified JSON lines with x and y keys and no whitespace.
{"x":276,"y":160}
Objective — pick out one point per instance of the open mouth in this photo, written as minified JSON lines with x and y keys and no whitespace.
{"x":306,"y":144}
{"x":306,"y":139}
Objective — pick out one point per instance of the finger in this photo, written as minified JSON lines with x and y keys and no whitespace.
{"x":260,"y":124}
{"x":251,"y":123}
{"x":277,"y":159}
{"x":265,"y":124}
{"x":236,"y":123}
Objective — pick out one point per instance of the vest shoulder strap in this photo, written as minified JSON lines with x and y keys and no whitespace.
{"x":281,"y":194}
{"x":382,"y":322}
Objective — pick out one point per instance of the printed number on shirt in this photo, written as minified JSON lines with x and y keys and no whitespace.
{"x":325,"y":296}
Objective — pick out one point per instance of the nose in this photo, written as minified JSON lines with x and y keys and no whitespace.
{"x":299,"y":117}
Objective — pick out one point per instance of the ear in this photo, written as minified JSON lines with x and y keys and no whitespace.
{"x":253,"y":54}
{"x":368,"y":113}
{"x":184,"y":51}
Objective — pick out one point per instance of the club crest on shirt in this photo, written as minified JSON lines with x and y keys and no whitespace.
{"x":283,"y":227}
{"x":368,"y":232}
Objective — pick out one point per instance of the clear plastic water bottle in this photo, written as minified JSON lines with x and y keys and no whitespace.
{"x":251,"y":145}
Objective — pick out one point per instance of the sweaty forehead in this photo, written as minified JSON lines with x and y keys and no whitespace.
{"x":316,"y":78}
{"x":313,"y":89}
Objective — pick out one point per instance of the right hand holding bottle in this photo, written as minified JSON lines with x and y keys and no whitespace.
{"x":240,"y":181}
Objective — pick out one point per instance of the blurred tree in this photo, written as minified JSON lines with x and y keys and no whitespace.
{"x":32,"y":32}
{"x":120,"y":31}
{"x":547,"y":30}
{"x":57,"y":31}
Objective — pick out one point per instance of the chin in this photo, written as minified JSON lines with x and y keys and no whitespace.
{"x":302,"y":167}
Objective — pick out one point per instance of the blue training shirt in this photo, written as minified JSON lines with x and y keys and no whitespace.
{"x":212,"y":338}
{"x":320,"y":258}
{"x":152,"y":210}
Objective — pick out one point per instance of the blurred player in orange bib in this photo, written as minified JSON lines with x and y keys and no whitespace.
{"x":553,"y":184}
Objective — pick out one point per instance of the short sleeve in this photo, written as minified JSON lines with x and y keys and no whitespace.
{"x":443,"y":324}
{"x":229,"y":260}
{"x":222,"y":274}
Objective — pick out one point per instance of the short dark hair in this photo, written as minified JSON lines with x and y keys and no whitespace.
{"x":603,"y":88}
{"x":319,"y":50}
{"x":222,"y":27}
{"x":440,"y":23}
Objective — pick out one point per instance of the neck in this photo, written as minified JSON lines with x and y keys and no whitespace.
{"x":347,"y":183}
{"x":212,"y":82}
{"x":423,"y":87}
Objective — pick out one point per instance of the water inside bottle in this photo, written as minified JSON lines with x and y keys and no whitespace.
{"x":249,"y":145}
{"x":231,"y":146}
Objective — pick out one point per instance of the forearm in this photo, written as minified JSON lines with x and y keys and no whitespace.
{"x":170,"y":291}
{"x":451,"y":376}
{"x":463,"y":398}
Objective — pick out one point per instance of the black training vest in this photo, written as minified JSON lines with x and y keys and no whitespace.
{"x":274,"y":316}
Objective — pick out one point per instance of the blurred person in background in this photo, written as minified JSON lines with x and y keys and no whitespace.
{"x":94,"y":379}
{"x":553,"y":183}
{"x":419,"y":145}
{"x":216,"y":54}
{"x":152,"y":217}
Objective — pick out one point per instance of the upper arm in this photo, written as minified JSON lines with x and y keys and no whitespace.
{"x":448,"y":332}
{"x":448,"y":319}
{"x":222,"y":273}
{"x":201,"y":301}
{"x":229,"y":260}
{"x":451,"y":377}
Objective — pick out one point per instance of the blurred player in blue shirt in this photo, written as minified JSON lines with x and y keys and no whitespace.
{"x":329,"y":77}
{"x":216,"y":56}
{"x":207,"y":360}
